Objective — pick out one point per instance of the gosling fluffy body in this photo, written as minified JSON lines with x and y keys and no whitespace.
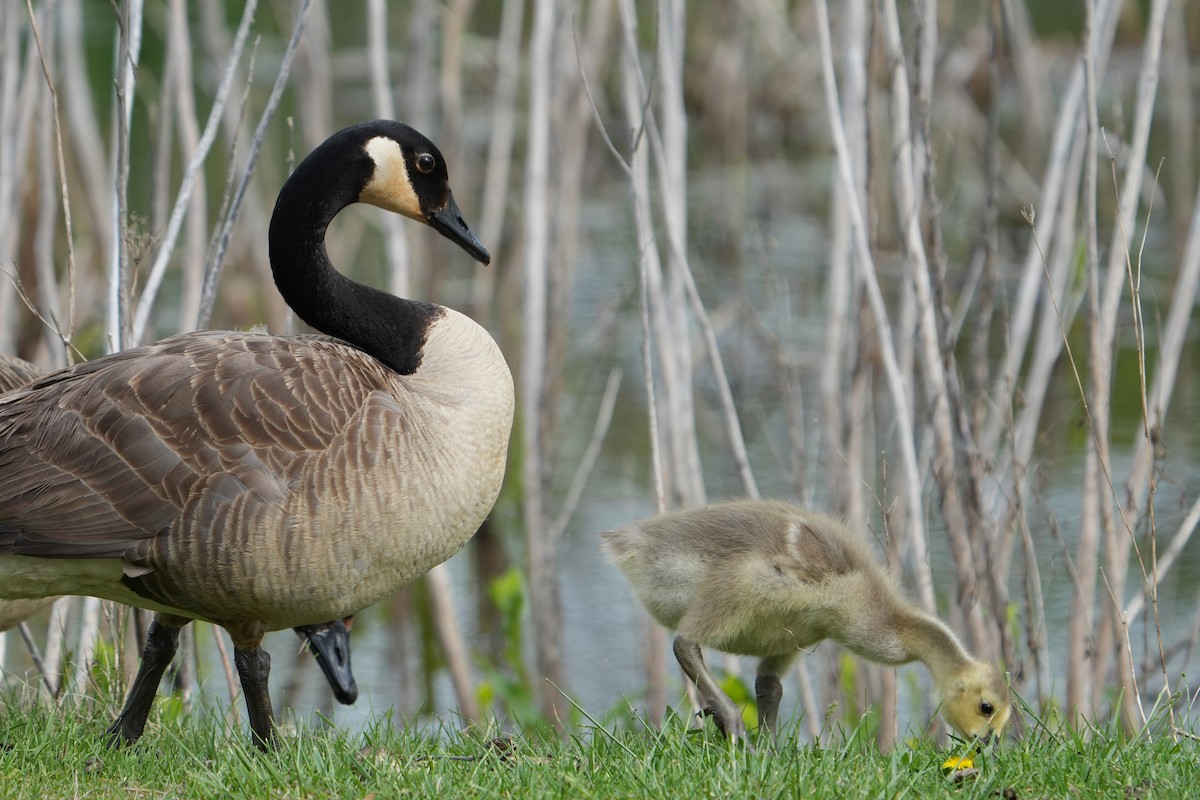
{"x":768,"y":579}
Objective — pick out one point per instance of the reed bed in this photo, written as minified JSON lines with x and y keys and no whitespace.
{"x":997,"y":287}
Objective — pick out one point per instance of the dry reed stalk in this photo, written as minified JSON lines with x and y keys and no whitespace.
{"x":608,"y":403}
{"x":654,"y":639}
{"x":667,"y":302}
{"x":47,"y":681}
{"x":1171,"y":344}
{"x":455,"y":16}
{"x":573,"y":57}
{"x":1119,"y":538}
{"x":503,"y":123}
{"x":545,"y":606}
{"x":420,"y":109}
{"x":314,"y":73}
{"x":190,"y":141}
{"x":914,"y":525}
{"x":844,"y":465}
{"x":189,"y":188}
{"x":394,"y":232}
{"x":445,"y":617}
{"x":1079,"y":626}
{"x":453,"y":643}
{"x":667,"y":132}
{"x":118,"y":316}
{"x":120,"y":281}
{"x":1030,"y":68}
{"x":63,"y":334}
{"x":255,"y":212}
{"x":87,"y":137}
{"x":46,"y":227}
{"x":635,"y":98}
{"x":212,"y":268}
{"x":1137,"y":604}
{"x":971,"y":411}
{"x":1025,"y":303}
{"x":11,"y":76}
{"x":906,"y":185}
{"x":1055,"y":318}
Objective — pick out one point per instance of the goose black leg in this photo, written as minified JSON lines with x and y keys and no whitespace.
{"x":253,"y":666}
{"x":162,"y":639}
{"x":727,"y":716}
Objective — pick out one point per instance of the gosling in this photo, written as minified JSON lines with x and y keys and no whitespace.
{"x":768,"y":579}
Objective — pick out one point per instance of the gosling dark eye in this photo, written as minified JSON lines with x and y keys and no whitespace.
{"x":986,"y":708}
{"x":425,"y":162}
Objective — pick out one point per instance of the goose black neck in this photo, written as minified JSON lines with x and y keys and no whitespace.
{"x":387,"y":327}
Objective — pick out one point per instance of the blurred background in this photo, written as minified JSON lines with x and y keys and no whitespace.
{"x":929,"y":266}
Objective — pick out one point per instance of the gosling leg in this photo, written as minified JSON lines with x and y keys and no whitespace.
{"x":727,"y":716}
{"x":162,"y":639}
{"x":768,"y":690}
{"x":253,"y":666}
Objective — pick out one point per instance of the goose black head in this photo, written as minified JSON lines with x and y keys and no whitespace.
{"x":409,"y":177}
{"x":384,"y":163}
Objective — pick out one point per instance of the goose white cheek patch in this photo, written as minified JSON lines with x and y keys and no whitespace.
{"x":390,"y":187}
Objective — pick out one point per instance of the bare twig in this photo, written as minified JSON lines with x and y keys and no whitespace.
{"x":212,"y":269}
{"x":64,"y":194}
{"x":129,"y":24}
{"x":542,"y":550}
{"x":887,"y":350}
{"x":184,"y":196}
{"x":36,"y":655}
{"x":608,"y":403}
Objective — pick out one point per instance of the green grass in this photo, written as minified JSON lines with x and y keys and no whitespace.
{"x":50,"y":753}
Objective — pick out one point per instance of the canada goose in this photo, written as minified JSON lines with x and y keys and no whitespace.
{"x":767,"y":579}
{"x":263,"y":482}
{"x":328,"y":642}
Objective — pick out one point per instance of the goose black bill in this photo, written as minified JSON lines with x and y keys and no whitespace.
{"x":330,"y":644}
{"x":449,"y":223}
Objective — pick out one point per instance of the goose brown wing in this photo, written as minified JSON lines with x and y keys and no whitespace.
{"x":99,"y":460}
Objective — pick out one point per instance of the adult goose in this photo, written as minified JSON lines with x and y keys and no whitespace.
{"x":263,"y":482}
{"x":329,"y":642}
{"x":768,"y":579}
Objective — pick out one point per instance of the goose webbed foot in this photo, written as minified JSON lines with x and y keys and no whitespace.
{"x":253,"y":666}
{"x":162,"y":639}
{"x":716,"y":703}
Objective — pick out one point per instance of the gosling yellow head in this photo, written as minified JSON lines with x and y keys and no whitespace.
{"x":976,"y":702}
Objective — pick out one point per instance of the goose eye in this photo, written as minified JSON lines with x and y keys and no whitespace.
{"x":986,"y":709}
{"x":425,"y":162}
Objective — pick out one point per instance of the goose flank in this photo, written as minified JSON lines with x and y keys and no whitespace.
{"x":769,"y":579}
{"x":328,"y":642}
{"x":263,"y":482}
